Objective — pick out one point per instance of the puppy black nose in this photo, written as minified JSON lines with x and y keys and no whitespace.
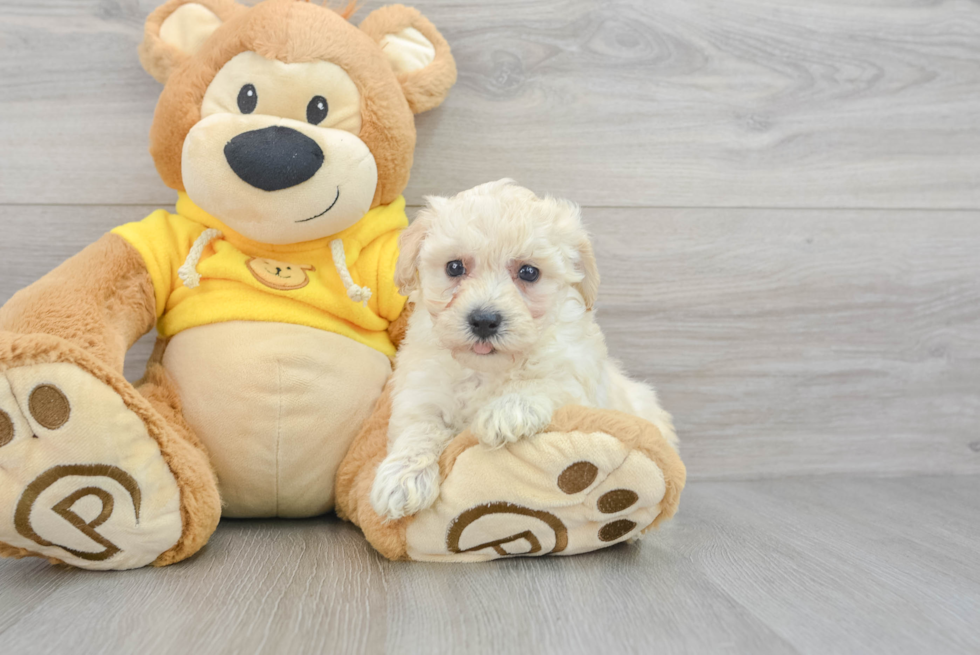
{"x":274,"y":158}
{"x":484,"y":324}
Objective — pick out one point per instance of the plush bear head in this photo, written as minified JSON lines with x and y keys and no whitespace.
{"x":283,"y":120}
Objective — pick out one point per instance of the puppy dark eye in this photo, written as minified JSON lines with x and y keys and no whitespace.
{"x":529,"y":273}
{"x":247,"y":99}
{"x":317,"y":110}
{"x":455,"y":268}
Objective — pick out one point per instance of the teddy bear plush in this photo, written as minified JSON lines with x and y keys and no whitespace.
{"x":288,"y":134}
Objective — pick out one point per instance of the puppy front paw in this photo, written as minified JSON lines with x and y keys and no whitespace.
{"x":404,"y":486}
{"x":511,"y":418}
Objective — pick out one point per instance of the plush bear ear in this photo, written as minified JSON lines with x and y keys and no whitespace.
{"x":177,"y":29}
{"x":417,"y":53}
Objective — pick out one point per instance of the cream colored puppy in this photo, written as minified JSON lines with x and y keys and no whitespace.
{"x":503,"y":334}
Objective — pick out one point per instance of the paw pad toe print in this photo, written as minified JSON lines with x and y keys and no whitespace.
{"x":49,"y":406}
{"x":6,"y":429}
{"x":617,"y":500}
{"x":579,"y":476}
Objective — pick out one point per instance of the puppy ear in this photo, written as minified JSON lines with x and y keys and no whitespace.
{"x":409,"y":248}
{"x":586,"y":265}
{"x":177,"y":29}
{"x":417,"y":53}
{"x":578,"y":247}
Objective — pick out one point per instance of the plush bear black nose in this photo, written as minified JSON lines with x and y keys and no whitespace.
{"x":484,"y":324}
{"x":273,"y":158}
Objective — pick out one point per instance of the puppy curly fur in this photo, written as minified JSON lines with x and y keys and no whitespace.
{"x":547,"y":351}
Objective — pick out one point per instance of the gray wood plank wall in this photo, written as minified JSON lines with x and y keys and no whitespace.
{"x":783,"y":196}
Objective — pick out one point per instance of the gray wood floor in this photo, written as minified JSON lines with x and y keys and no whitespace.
{"x":820,"y":565}
{"x":785,"y":204}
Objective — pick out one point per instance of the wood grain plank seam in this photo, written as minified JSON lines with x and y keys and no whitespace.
{"x":815,"y":208}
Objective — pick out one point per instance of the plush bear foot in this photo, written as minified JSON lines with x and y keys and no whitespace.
{"x":591,"y":480}
{"x":82,"y":481}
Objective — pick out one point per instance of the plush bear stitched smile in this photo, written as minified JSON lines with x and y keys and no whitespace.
{"x":336,"y":198}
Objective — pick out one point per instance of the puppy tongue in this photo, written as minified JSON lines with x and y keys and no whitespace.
{"x":483,"y":348}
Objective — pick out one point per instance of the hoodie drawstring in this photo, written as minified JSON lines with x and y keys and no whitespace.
{"x":354,"y":292}
{"x":188,"y":272}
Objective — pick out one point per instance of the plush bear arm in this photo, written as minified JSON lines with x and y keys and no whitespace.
{"x":100,"y":300}
{"x":398,"y":327}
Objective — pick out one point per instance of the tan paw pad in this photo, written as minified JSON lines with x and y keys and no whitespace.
{"x":559,"y":493}
{"x":81,"y":479}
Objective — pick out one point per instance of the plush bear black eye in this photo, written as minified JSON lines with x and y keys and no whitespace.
{"x":247,"y":99}
{"x":316,"y":111}
{"x":529,"y":273}
{"x":455,"y":268}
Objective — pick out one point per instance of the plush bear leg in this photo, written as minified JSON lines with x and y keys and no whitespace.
{"x":188,"y":461}
{"x":593,"y":478}
{"x":94,"y":473}
{"x":355,"y":477}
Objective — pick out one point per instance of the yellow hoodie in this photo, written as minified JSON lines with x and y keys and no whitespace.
{"x":231,"y":278}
